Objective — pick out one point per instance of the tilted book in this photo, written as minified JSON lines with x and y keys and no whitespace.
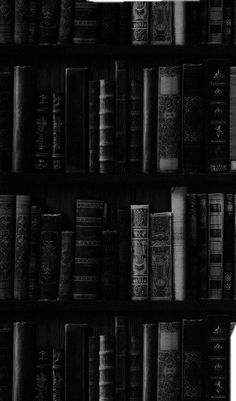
{"x":179,"y":22}
{"x":106,"y":368}
{"x":49,"y":21}
{"x":6,"y":342}
{"x":34,"y":8}
{"x":43,"y":374}
{"x":202,"y":243}
{"x":192,"y":270}
{"x":109,"y":265}
{"x":135,"y":121}
{"x":135,"y":368}
{"x":93,"y":368}
{"x":109,"y":23}
{"x":140,"y":23}
{"x":161,"y":23}
{"x":58,"y":374}
{"x":121,"y":358}
{"x":21,"y":21}
{"x":124,"y":244}
{"x":149,"y":362}
{"x":232,"y":118}
{"x":66,"y":22}
{"x":85,"y":22}
{"x":215,"y":21}
{"x":6,"y":21}
{"x":66,"y":265}
{"x":58,"y":139}
{"x":93,"y":129}
{"x":228,"y":247}
{"x":34,"y":252}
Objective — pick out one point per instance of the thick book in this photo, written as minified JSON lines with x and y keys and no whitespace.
{"x":124,"y":244}
{"x":6,"y":116}
{"x":139,"y":252}
{"x":22,"y":242}
{"x":43,"y":374}
{"x":149,"y":392}
{"x":121,"y":358}
{"x":179,"y":22}
{"x":124,"y":17}
{"x":168,"y":361}
{"x":21,"y":22}
{"x":161,"y":256}
{"x":34,"y":251}
{"x":23,"y":361}
{"x":93,"y":129}
{"x":106,"y":126}
{"x":7,"y":245}
{"x":58,"y":135}
{"x":50,"y":256}
{"x":23,"y":107}
{"x":228,"y":22}
{"x":135,"y":121}
{"x":7,"y":22}
{"x":215,"y":21}
{"x":192,"y":246}
{"x":6,"y":342}
{"x":135,"y":373}
{"x":149,"y":120}
{"x":106,"y":368}
{"x":58,"y":374}
{"x":109,"y":23}
{"x":66,"y":22}
{"x":232,"y":118}
{"x":169,"y":119}
{"x":33,"y":21}
{"x":178,"y":208}
{"x":228,"y":246}
{"x":49,"y":21}
{"x":192,"y":118}
{"x":66,"y":265}
{"x":215,"y":245}
{"x":76,"y":88}
{"x":109,"y":265}
{"x":85,"y":23}
{"x":202,"y":242}
{"x":140,"y":23}
{"x":76,"y":360}
{"x":161,"y":23}
{"x":93,"y":368}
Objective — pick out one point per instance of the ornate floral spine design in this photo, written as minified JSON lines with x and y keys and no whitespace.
{"x":6,"y":21}
{"x":135,"y":127}
{"x":34,"y":257}
{"x":85,"y":22}
{"x":121,"y":355}
{"x":66,"y":22}
{"x":109,"y":265}
{"x":94,"y":127}
{"x":49,"y":21}
{"x":21,"y":21}
{"x":66,"y":265}
{"x":149,"y":362}
{"x":202,"y":241}
{"x":228,"y":248}
{"x":43,"y":375}
{"x":215,"y":21}
{"x":161,"y":23}
{"x":93,"y":351}
{"x":33,"y":21}
{"x":135,"y":368}
{"x":140,"y":23}
{"x":124,"y":245}
{"x":58,"y":380}
{"x":6,"y":361}
{"x":191,"y":244}
{"x":58,"y":146}
{"x":232,"y":118}
{"x":106,"y":368}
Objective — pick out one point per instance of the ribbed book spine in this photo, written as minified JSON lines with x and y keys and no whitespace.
{"x":106,"y":368}
{"x":139,"y":251}
{"x":94,"y":90}
{"x":135,"y":127}
{"x":21,"y":21}
{"x":22,"y":240}
{"x":43,"y":374}
{"x":109,"y":265}
{"x":49,"y":21}
{"x":34,"y":253}
{"x":202,"y":242}
{"x":106,"y":127}
{"x":121,"y":358}
{"x":124,"y":244}
{"x":169,"y":124}
{"x":228,"y":248}
{"x":66,"y":265}
{"x":58,"y":140}
{"x":161,"y":256}
{"x":192,"y":246}
{"x":6,"y":116}
{"x":109,"y":23}
{"x":228,"y":22}
{"x":85,"y":22}
{"x":215,"y":247}
{"x":140,"y":23}
{"x":215,"y":21}
{"x":66,"y":22}
{"x":179,"y":22}
{"x":135,"y":368}
{"x":7,"y":244}
{"x":33,"y":21}
{"x":232,"y":118}
{"x":93,"y":368}
{"x":161,"y":23}
{"x":149,"y":362}
{"x":6,"y":342}
{"x":7,"y":22}
{"x":58,"y":374}
{"x":124,"y":23}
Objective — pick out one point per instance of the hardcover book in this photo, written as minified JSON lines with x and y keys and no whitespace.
{"x":66,"y":22}
{"x":121,"y":358}
{"x":109,"y":24}
{"x":135,"y":368}
{"x":135,"y":122}
{"x":124,"y":245}
{"x":232,"y":118}
{"x":124,"y":23}
{"x":33,"y":21}
{"x":228,"y":246}
{"x":149,"y":362}
{"x":203,"y":21}
{"x":6,"y":21}
{"x":106,"y":368}
{"x":94,"y":89}
{"x":34,"y":252}
{"x":58,"y":140}
{"x":93,"y":368}
{"x":192,"y":246}
{"x":228,"y":21}
{"x":215,"y":21}
{"x":85,"y":22}
{"x":66,"y":265}
{"x":140,"y":23}
{"x":21,"y":21}
{"x":193,"y":33}
{"x":202,"y":241}
{"x":49,"y":21}
{"x":109,"y":265}
{"x":161,"y":23}
{"x":58,"y":374}
{"x":179,"y":22}
{"x":43,"y":374}
{"x":6,"y":342}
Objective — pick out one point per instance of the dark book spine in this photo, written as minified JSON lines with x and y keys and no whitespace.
{"x":228,"y":21}
{"x":58,"y":375}
{"x":228,"y":248}
{"x":124,"y":244}
{"x":6,"y":361}
{"x":6,"y":21}
{"x":76,"y":119}
{"x":94,"y":127}
{"x":58,"y":140}
{"x":50,"y":256}
{"x":106,"y":126}
{"x":22,"y":239}
{"x":149,"y":120}
{"x":109,"y":265}
{"x":192,"y":23}
{"x":191,"y":251}
{"x":109,"y":23}
{"x":149,"y":362}
{"x":49,"y":21}
{"x":106,"y":368}
{"x":23,"y":361}
{"x":135,"y":127}
{"x":161,"y":23}
{"x":33,"y":21}
{"x":85,"y":22}
{"x":121,"y":101}
{"x":66,"y":265}
{"x":202,"y":242}
{"x":34,"y":254}
{"x":93,"y":368}
{"x":43,"y":374}
{"x":203,"y":22}
{"x":23,"y":107}
{"x":124,"y":23}
{"x":140,"y":23}
{"x":215,"y":21}
{"x":76,"y":358}
{"x":135,"y":368}
{"x":66,"y":22}
{"x":42,"y":158}
{"x":121,"y":358}
{"x":21,"y":21}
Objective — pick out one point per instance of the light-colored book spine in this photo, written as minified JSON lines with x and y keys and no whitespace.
{"x":179,"y":23}
{"x":178,"y":207}
{"x":140,"y":23}
{"x":161,"y":23}
{"x":232,"y":118}
{"x":215,"y":21}
{"x":215,"y":245}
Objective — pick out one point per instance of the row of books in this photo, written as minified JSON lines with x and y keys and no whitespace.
{"x":186,"y":359}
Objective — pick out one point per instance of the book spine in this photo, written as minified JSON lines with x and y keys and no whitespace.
{"x":6,"y":22}
{"x":140,"y":23}
{"x":43,"y":374}
{"x":6,"y":361}
{"x":49,"y":21}
{"x":121,"y":104}
{"x":109,"y":265}
{"x":234,"y":290}
{"x":76,"y":119}
{"x":228,"y":246}
{"x":179,"y":23}
{"x":106,"y":368}
{"x":215,"y":21}
{"x":121,"y":358}
{"x":168,"y":361}
{"x":215,"y":247}
{"x":178,"y":207}
{"x":228,"y":12}
{"x":149,"y":120}
{"x":203,"y":22}
{"x":21,"y":21}
{"x":202,"y":241}
{"x":22,"y":238}
{"x":58,"y":141}
{"x":232,"y":118}
{"x":85,"y":23}
{"x":94,"y":91}
{"x":135,"y":127}
{"x":124,"y":23}
{"x":109,"y":23}
{"x":34,"y":253}
{"x":106,"y":126}
{"x":33,"y":22}
{"x":149,"y":362}
{"x":161,"y":23}
{"x":58,"y":375}
{"x":139,"y":251}
{"x":169,"y":124}
{"x":93,"y":372}
{"x":191,"y":242}
{"x":135,"y":368}
{"x":50,"y":256}
{"x":161,"y":256}
{"x":6,"y":116}
{"x":66,"y":265}
{"x":76,"y":358}
{"x":66,"y":22}
{"x":124,"y":245}
{"x":192,"y":23}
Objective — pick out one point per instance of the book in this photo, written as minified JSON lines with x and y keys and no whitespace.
{"x":169,"y":126}
{"x":228,"y":12}
{"x":22,"y":239}
{"x":76,"y":358}
{"x":135,"y":368}
{"x":124,"y":245}
{"x":66,"y":22}
{"x":109,"y":24}
{"x":7,"y":22}
{"x":106,"y":368}
{"x":228,"y":246}
{"x":191,"y":246}
{"x":43,"y":374}
{"x":178,"y":208}
{"x":203,"y":22}
{"x":135,"y":122}
{"x":139,"y":251}
{"x":232,"y":118}
{"x":93,"y":368}
{"x":215,"y":245}
{"x":215,"y":21}
{"x":6,"y":116}
{"x":34,"y":251}
{"x":202,"y":241}
{"x":161,"y":23}
{"x":140,"y":23}
{"x":149,"y":362}
{"x":94,"y":89}
{"x":193,"y":34}
{"x":76,"y":83}
{"x":109,"y":265}
{"x":106,"y":126}
{"x":149,"y":120}
{"x":21,"y":22}
{"x":124,"y":18}
{"x":179,"y":22}
{"x":33,"y":21}
{"x":58,"y":140}
{"x":50,"y":256}
{"x":161,"y":256}
{"x":85,"y":23}
{"x":121,"y":358}
{"x":66,"y":265}
{"x":6,"y":342}
{"x":49,"y":21}
{"x":58,"y":374}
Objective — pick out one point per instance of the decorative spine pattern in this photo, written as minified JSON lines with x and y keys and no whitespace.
{"x":66,"y":265}
{"x":135,"y":127}
{"x":85,"y":23}
{"x":161,"y":23}
{"x":49,"y":21}
{"x":106,"y":368}
{"x":140,"y":23}
{"x":66,"y":22}
{"x":43,"y":374}
{"x":191,"y":251}
{"x":93,"y":350}
{"x":202,"y":241}
{"x":58,"y":145}
{"x":228,"y":248}
{"x":94,"y":126}
{"x":58,"y":380}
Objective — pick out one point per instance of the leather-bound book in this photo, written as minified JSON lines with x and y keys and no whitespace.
{"x":21,"y":22}
{"x":140,"y":23}
{"x":192,"y":360}
{"x":203,"y":22}
{"x":179,"y":22}
{"x":215,"y":21}
{"x":192,"y":118}
{"x":85,"y":22}
{"x":93,"y":368}
{"x":76,"y":88}
{"x":76,"y":360}
{"x":66,"y":265}
{"x":58,"y":140}
{"x":109,"y":265}
{"x":106,"y":126}
{"x":149,"y":362}
{"x":50,"y":256}
{"x":124,"y":23}
{"x":149,"y":120}
{"x":191,"y":246}
{"x":161,"y":256}
{"x":6,"y":116}
{"x":193,"y":36}
{"x":121,"y":104}
{"x":228,"y":22}
{"x":124,"y":245}
{"x":94,"y":89}
{"x":135,"y":368}
{"x":6,"y":342}
{"x":121,"y":358}
{"x":232,"y":118}
{"x":43,"y":374}
{"x":66,"y":22}
{"x":228,"y":247}
{"x":161,"y":23}
{"x":42,"y":158}
{"x":33,"y":21}
{"x":7,"y":22}
{"x":106,"y":368}
{"x":168,"y":361}
{"x":202,"y":244}
{"x":23,"y":361}
{"x":34,"y":253}
{"x":49,"y":21}
{"x":58,"y":374}
{"x":22,"y":242}
{"x":23,"y":106}
{"x":135,"y":122}
{"x":109,"y":23}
